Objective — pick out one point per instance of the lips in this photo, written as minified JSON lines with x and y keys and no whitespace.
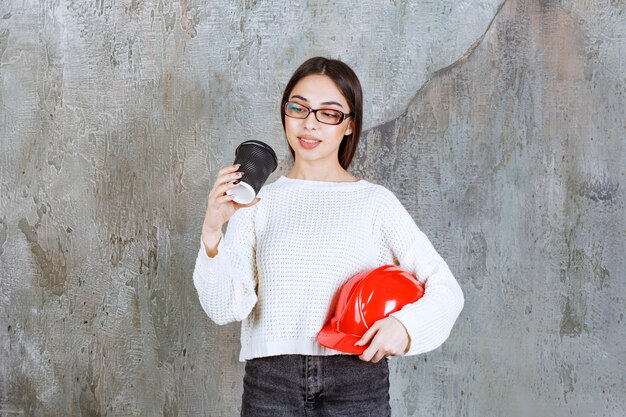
{"x":309,"y":142}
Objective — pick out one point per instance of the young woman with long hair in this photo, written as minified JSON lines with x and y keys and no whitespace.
{"x":286,"y":254}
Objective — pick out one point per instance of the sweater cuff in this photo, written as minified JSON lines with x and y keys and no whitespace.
{"x":203,"y":258}
{"x":427,"y":322}
{"x":417,"y":334}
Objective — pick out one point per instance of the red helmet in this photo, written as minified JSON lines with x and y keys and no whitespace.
{"x":364,"y":299}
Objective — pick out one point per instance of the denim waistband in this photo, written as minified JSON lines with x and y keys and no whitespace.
{"x":303,"y":385}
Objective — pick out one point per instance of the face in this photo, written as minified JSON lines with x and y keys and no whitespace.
{"x":312,"y":140}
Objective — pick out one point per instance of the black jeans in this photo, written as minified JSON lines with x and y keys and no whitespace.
{"x":312,"y":386}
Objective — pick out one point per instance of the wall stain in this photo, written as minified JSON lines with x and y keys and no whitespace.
{"x":169,"y":20}
{"x":87,"y":403}
{"x":51,"y":261}
{"x":4,"y":41}
{"x":568,"y":379}
{"x":178,"y":168}
{"x":118,"y":244}
{"x":571,"y":323}
{"x":599,"y":190}
{"x":24,"y":396}
{"x":3,"y":234}
{"x":188,"y":19}
{"x":476,"y":253}
{"x":595,"y":268}
{"x":151,"y":265}
{"x":584,"y":266}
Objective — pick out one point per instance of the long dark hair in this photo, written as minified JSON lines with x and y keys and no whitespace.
{"x":349,"y":85}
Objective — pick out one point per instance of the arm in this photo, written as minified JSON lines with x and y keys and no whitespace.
{"x":226,"y":283}
{"x":428,"y":321}
{"x":225,"y":275}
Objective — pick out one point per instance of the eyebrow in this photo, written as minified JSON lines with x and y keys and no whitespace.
{"x":326,"y":103}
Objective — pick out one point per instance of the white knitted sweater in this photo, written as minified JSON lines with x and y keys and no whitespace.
{"x":282,"y":261}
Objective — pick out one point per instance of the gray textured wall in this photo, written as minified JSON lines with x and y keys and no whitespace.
{"x":499,"y":124}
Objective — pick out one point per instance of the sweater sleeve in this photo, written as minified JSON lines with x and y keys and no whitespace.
{"x":430,"y":319}
{"x":226,"y":283}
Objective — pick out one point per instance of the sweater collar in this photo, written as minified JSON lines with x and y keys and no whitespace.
{"x":321,"y":184}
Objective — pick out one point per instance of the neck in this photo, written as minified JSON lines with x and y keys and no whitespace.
{"x":335,"y":173}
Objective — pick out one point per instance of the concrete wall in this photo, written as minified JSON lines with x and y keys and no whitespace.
{"x":499,"y":124}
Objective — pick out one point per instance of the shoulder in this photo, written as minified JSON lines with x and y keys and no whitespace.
{"x":381,"y":191}
{"x":383,"y":195}
{"x":387,"y":205}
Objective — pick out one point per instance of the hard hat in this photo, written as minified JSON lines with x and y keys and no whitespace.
{"x":364,"y":299}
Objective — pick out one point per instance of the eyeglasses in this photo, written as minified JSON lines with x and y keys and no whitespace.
{"x":326,"y":116}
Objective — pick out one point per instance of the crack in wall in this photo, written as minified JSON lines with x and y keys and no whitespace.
{"x":463,"y":58}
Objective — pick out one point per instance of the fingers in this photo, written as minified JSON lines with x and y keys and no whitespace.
{"x":225,"y":198}
{"x":225,"y":182}
{"x":378,"y":356}
{"x":369,"y":334}
{"x":220,"y":206}
{"x":374,"y":353}
{"x":220,"y":189}
{"x":372,"y":350}
{"x":228,"y":169}
{"x":226,"y":174}
{"x":388,"y":337}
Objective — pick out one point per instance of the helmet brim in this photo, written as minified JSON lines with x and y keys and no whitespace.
{"x":331,"y":338}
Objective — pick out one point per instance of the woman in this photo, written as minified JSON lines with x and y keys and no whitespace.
{"x":287,"y":253}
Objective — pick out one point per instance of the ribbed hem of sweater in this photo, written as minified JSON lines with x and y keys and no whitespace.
{"x":257,"y":347}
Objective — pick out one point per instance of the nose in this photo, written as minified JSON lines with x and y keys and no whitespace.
{"x":311,"y":121}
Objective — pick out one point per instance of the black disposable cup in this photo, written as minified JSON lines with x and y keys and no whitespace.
{"x":258,"y":160}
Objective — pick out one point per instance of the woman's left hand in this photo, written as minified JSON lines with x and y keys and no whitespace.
{"x":388,"y":337}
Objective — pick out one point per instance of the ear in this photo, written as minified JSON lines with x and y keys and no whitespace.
{"x":349,"y":128}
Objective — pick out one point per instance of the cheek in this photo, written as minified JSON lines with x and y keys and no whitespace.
{"x":290,"y":126}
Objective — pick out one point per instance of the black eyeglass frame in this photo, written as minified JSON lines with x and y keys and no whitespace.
{"x":344,"y":116}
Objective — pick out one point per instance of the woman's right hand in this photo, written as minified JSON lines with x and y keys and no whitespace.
{"x":221,"y":207}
